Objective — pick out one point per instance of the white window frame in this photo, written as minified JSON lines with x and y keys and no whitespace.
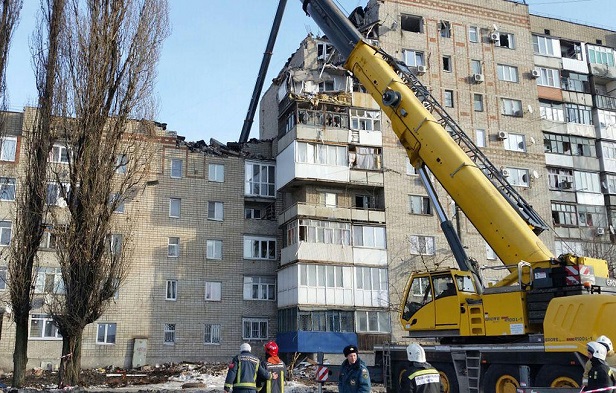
{"x":511,"y":107}
{"x":8,"y":148}
{"x":215,"y":210}
{"x":213,"y":249}
{"x":260,"y":247}
{"x":116,"y":241}
{"x":59,"y":154}
{"x":473,"y":34}
{"x":213,"y":291}
{"x":478,"y":102}
{"x":47,"y":326}
{"x":515,"y":142}
{"x":369,"y":236}
{"x":510,"y":39}
{"x":255,"y":329}
{"x":413,"y":58}
{"x":216,"y":173}
{"x":169,"y":336}
{"x":322,"y":154}
{"x":601,"y":55}
{"x":175,"y":207}
{"x":543,"y":46}
{"x":422,"y":245}
{"x":6,"y":230}
{"x":480,"y":137}
{"x":108,"y":332}
{"x":171,"y":290}
{"x":519,"y":177}
{"x":54,"y":194}
{"x":211,"y":333}
{"x":48,"y":280}
{"x":173,"y":247}
{"x":328,"y":199}
{"x":263,"y":182}
{"x":549,"y":77}
{"x":587,"y":181}
{"x":121,"y":163}
{"x":7,"y":189}
{"x":448,"y":98}
{"x":366,"y":321}
{"x":507,"y":73}
{"x":176,"y":168}
{"x":260,"y":288}
{"x":420,"y":205}
{"x":476,"y":67}
{"x":365,"y":119}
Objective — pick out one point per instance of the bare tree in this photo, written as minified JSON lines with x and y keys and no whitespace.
{"x":8,"y":21}
{"x":30,"y":203}
{"x":110,"y":53}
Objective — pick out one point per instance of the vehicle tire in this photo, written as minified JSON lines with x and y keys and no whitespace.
{"x":398,"y":370}
{"x":501,"y":378}
{"x":559,"y":377}
{"x":449,"y":380}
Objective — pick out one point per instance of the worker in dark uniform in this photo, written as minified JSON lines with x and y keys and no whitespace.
{"x":419,"y":377}
{"x":600,"y":374}
{"x":244,"y":370}
{"x":354,"y":376}
{"x":274,"y":365}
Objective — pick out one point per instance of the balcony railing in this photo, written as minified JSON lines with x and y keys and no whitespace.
{"x":605,"y":102}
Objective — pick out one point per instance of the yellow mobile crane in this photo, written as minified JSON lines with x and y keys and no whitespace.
{"x":541,"y":315}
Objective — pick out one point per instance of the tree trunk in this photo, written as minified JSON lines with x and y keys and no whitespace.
{"x":70,"y":364}
{"x":20,"y":352}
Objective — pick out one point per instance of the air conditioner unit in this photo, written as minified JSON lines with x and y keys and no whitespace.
{"x":494,"y":36}
{"x":505,"y":172}
{"x":477,"y":78}
{"x":502,"y":135}
{"x":534,"y":74}
{"x":421,"y":69}
{"x":600,"y":231}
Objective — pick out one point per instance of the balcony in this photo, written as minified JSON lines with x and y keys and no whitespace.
{"x":605,"y":102}
{"x":331,"y":213}
{"x":603,"y":71}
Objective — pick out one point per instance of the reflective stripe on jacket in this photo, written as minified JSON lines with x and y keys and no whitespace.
{"x":243,"y":372}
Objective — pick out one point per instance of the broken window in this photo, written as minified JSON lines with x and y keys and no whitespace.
{"x":447,"y":64}
{"x":365,"y":158}
{"x":448,"y":98}
{"x":412,"y":23}
{"x":365,"y":120}
{"x":326,"y":86}
{"x":505,"y":40}
{"x":571,"y":50}
{"x":413,"y":58}
{"x":445,"y":29}
{"x":324,"y":51}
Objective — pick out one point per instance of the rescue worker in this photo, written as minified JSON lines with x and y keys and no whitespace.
{"x":420,"y":376}
{"x":354,"y":376}
{"x":273,"y":364}
{"x":600,"y":374}
{"x":610,"y":358}
{"x":244,"y":370}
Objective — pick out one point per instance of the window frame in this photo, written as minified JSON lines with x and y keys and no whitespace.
{"x":260,"y":288}
{"x":213,"y":249}
{"x":175,"y":204}
{"x":213,"y":291}
{"x":257,"y":331}
{"x":108,"y":339}
{"x":216,"y":173}
{"x":8,"y":152}
{"x":213,"y":332}
{"x":176,"y":168}
{"x":171,"y":290}
{"x":173,"y":247}
{"x":507,"y":73}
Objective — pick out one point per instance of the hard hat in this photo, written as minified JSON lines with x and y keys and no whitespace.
{"x":597,"y":350}
{"x":605,"y":341}
{"x":245,"y":347}
{"x":271,"y":348}
{"x":415,"y":353}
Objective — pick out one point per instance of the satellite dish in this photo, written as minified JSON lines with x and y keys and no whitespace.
{"x":530,"y":109}
{"x":536,"y":174}
{"x":495,"y":27}
{"x":532,"y":140}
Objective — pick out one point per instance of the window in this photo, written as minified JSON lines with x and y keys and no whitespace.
{"x":507,"y":73}
{"x":7,"y":189}
{"x":517,"y":176}
{"x":371,"y":287}
{"x":211,"y":334}
{"x":318,"y":231}
{"x":515,"y":142}
{"x":172,"y":290}
{"x":419,"y":204}
{"x":422,"y":245}
{"x":43,"y":327}
{"x":411,"y":23}
{"x":48,"y":280}
{"x":254,"y":328}
{"x":8,"y":148}
{"x":328,"y":85}
{"x":169,"y":334}
{"x":3,"y":276}
{"x":328,"y":199}
{"x":253,"y":213}
{"x":56,"y":194}
{"x":591,"y":216}
{"x":600,"y":55}
{"x":552,"y":111}
{"x":213,"y":291}
{"x":325,"y":321}
{"x":214,"y":249}
{"x":324,"y":51}
{"x":176,"y":168}
{"x":367,"y":236}
{"x":543,"y":46}
{"x":473,"y":34}
{"x":121,"y":163}
{"x":365,"y":201}
{"x":560,"y":179}
{"x":607,"y":119}
{"x":480,"y":137}
{"x":259,"y":248}
{"x":173,"y":249}
{"x":260,"y":179}
{"x":321,"y":276}
{"x":580,"y":114}
{"x":174,"y":207}
{"x":587,"y":182}
{"x":106,"y":333}
{"x":116,"y":199}
{"x":49,"y":239}
{"x":311,"y":153}
{"x":447,"y":65}
{"x":564,"y":214}
{"x":476,"y":67}
{"x":216,"y":173}
{"x":569,"y":145}
{"x":361,"y":157}
{"x":445,"y":29}
{"x":59,"y":154}
{"x":505,"y":40}
{"x":5,"y":233}
{"x":574,"y":82}
{"x":448,"y":98}
{"x":259,"y":288}
{"x":365,"y":120}
{"x":115,"y":244}
{"x":372,"y":321}
{"x":512,"y":107}
{"x":478,"y":102}
{"x":413,"y":58}
{"x":215,"y":211}
{"x":490,"y":254}
{"x":548,"y":77}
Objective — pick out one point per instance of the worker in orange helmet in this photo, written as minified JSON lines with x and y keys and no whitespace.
{"x":274,"y":365}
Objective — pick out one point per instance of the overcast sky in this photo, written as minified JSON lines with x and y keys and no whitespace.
{"x":210,"y":62}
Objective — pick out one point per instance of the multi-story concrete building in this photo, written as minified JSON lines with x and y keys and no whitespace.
{"x":309,"y":234}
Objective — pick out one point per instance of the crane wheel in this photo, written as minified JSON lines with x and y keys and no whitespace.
{"x":449,"y":381}
{"x":558,"y":377}
{"x":501,"y":378}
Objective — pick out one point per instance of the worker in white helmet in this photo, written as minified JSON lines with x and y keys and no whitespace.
{"x":600,"y":375}
{"x":420,"y":376}
{"x":610,"y":358}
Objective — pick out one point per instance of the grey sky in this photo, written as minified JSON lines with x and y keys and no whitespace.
{"x":210,"y":62}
